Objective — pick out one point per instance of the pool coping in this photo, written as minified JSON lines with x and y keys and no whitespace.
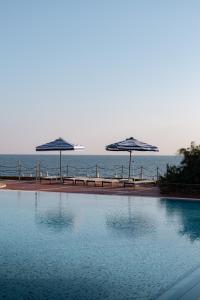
{"x":142,"y":191}
{"x":99,"y":192}
{"x":103,"y":194}
{"x":187,"y":288}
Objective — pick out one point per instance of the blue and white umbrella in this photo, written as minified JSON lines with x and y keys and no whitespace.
{"x":130,"y":145}
{"x":59,"y":145}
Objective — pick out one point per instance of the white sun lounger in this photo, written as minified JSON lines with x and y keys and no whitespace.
{"x":88,"y":180}
{"x":50,"y":178}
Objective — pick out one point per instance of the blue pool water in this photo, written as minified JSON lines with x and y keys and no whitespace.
{"x":70,"y":246}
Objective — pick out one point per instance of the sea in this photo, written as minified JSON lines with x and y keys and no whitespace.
{"x":148,"y":166}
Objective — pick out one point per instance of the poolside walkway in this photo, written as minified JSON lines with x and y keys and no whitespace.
{"x":142,"y":190}
{"x":147,"y":190}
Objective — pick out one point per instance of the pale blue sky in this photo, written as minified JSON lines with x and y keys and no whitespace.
{"x":95,"y":72}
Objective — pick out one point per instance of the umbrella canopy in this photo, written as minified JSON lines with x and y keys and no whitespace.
{"x":59,"y":145}
{"x":130,"y":145}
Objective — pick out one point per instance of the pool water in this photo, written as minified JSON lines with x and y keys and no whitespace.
{"x":76,"y":246}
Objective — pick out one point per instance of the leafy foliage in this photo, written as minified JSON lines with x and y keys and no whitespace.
{"x":189,"y":170}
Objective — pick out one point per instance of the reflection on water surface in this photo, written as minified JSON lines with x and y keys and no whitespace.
{"x":56,"y":219}
{"x":130,"y":223}
{"x":188,"y":215}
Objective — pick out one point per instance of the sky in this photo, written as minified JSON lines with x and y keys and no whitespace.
{"x":98,"y":71}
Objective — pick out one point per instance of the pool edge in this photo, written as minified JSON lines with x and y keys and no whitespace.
{"x":187,"y":288}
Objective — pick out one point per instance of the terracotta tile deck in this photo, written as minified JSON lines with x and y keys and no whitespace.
{"x":148,"y":190}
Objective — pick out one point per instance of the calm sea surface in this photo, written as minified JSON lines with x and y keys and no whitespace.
{"x":86,"y":165}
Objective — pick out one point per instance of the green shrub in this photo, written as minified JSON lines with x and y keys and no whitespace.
{"x":185,"y":175}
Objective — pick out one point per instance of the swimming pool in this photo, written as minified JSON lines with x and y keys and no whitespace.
{"x":76,"y":246}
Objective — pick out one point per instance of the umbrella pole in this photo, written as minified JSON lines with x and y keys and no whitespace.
{"x":60,"y":167}
{"x":129,"y":169}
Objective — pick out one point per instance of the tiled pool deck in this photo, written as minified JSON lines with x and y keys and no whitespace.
{"x":148,"y":190}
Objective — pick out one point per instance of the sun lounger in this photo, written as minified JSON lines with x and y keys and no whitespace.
{"x":50,"y":178}
{"x":69,"y":179}
{"x":75,"y":180}
{"x":86,"y":180}
{"x":127,"y":182}
{"x":80,"y":180}
{"x":109,"y":181}
{"x":101,"y":181}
